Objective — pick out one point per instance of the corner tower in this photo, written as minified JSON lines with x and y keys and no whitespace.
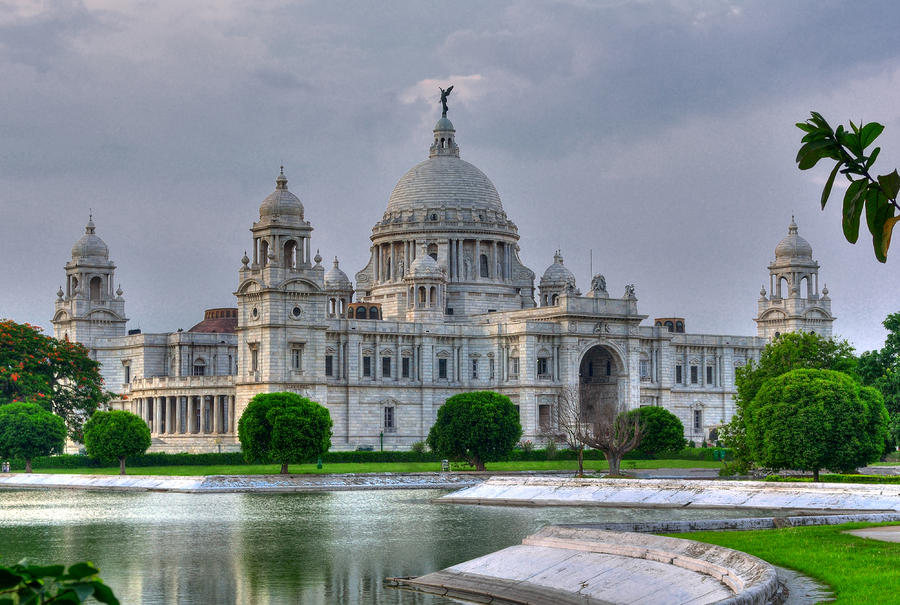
{"x":88,"y":309}
{"x":794,"y":303}
{"x":449,"y":210}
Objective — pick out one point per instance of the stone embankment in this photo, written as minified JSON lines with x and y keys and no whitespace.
{"x":590,"y":566}
{"x":663,"y":493}
{"x":237,"y":483}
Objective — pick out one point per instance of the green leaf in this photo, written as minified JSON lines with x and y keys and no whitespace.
{"x":829,"y":183}
{"x":806,"y":127}
{"x":890,"y":184}
{"x":853,"y":205}
{"x":104,"y":593}
{"x":82,"y":589}
{"x":812,"y":152}
{"x":81,"y":570}
{"x":886,"y":237}
{"x":872,"y":157}
{"x":8,"y":579}
{"x":875,"y":205}
{"x":869,"y":133}
{"x":47,"y":571}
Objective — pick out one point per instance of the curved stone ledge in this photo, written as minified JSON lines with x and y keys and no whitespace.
{"x":662,"y":493}
{"x":562,"y":564}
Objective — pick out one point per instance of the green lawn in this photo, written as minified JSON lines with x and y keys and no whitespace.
{"x":857,"y":569}
{"x":382,"y":467}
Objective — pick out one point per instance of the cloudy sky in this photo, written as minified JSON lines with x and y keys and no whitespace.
{"x":657,"y":134}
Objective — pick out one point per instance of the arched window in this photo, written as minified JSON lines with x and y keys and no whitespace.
{"x":95,"y":288}
{"x":331,"y":306}
{"x":433,"y":251}
{"x":433,"y":296}
{"x":350,"y":313}
{"x":555,"y":300}
{"x":373,"y":312}
{"x":679,"y":326}
{"x":421,"y":296}
{"x":264,"y":252}
{"x":670,"y":326}
{"x":360,"y":313}
{"x":484,"y":265}
{"x":290,"y":254}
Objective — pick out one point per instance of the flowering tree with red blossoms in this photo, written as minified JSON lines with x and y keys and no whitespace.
{"x":56,"y":374}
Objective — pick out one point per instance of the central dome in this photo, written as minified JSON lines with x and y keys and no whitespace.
{"x":444,"y":180}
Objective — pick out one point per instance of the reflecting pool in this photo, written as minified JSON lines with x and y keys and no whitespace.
{"x":331,"y":547}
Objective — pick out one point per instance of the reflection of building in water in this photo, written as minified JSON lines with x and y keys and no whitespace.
{"x":444,"y":305}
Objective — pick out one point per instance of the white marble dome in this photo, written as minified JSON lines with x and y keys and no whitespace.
{"x":335,"y":279}
{"x":557,"y":273}
{"x":90,"y":245}
{"x":444,"y":181}
{"x":425,"y":267}
{"x":281,"y":202}
{"x":793,"y":246}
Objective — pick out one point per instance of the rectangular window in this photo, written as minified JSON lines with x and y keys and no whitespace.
{"x":442,"y":369}
{"x":491,"y":363}
{"x":389,"y":419}
{"x":678,"y":376}
{"x":543,"y":365}
{"x":127,"y":373}
{"x":544,"y":416}
{"x":367,"y":366}
{"x":474,"y":368}
{"x":645,"y":368}
{"x":254,"y":360}
{"x":329,"y":365}
{"x":694,"y":375}
{"x":514,"y":366}
{"x":386,"y":367}
{"x":404,"y":367}
{"x":698,"y":420}
{"x":709,"y":375}
{"x":296,"y":359}
{"x":199,"y":370}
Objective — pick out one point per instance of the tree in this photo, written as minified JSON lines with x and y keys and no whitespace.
{"x":612,"y":430}
{"x":115,"y":435}
{"x":57,"y":374}
{"x":848,"y":150}
{"x":44,"y":584}
{"x":663,"y":431}
{"x":28,"y":430}
{"x":814,"y":419}
{"x":478,"y":427}
{"x":790,"y":351}
{"x":570,"y":425}
{"x":284,"y":428}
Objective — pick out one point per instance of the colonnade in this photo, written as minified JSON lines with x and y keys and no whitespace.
{"x":186,"y":414}
{"x":463,"y":256}
{"x":293,"y":254}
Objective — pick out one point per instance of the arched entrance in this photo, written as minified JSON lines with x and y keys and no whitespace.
{"x":600,"y":377}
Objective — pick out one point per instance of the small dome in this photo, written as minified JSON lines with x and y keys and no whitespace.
{"x":557,"y":274}
{"x":425,"y":267}
{"x":444,"y":124}
{"x":90,"y":245}
{"x":335,"y":279}
{"x":281,"y":202}
{"x":793,"y":246}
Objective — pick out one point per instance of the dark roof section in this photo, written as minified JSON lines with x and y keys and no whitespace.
{"x":217,"y":321}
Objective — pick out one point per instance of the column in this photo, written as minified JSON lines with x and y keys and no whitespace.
{"x":459,"y":261}
{"x":202,"y":414}
{"x":159,"y":415}
{"x":231,"y":414}
{"x":393,"y":275}
{"x":477,"y":260}
{"x":217,"y":414}
{"x":376,"y":251}
{"x":493,"y":267}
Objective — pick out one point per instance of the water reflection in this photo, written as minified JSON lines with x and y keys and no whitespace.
{"x":274,"y":548}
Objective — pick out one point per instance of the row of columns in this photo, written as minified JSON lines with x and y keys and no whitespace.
{"x":775,"y":282}
{"x":262,"y":246}
{"x":186,"y":414}
{"x":393,"y":259}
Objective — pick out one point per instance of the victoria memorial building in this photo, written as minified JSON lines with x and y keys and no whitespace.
{"x":443,"y":306}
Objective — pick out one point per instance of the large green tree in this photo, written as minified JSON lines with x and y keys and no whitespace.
{"x":881,"y":369}
{"x":790,"y":351}
{"x":115,"y":435}
{"x":28,"y":430}
{"x":663,"y":431}
{"x":56,"y":374}
{"x":284,"y":428}
{"x":876,"y":194}
{"x":478,"y":427}
{"x":815,"y":419}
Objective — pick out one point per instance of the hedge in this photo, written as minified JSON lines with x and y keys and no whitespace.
{"x":837,"y":479}
{"x":237,"y":458}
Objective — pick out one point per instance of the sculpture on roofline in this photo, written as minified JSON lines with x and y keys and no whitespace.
{"x":444,"y":95}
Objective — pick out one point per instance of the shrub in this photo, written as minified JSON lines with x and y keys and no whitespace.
{"x":27,"y":430}
{"x":663,"y":431}
{"x":115,"y":435}
{"x":478,"y":427}
{"x":418,"y":447}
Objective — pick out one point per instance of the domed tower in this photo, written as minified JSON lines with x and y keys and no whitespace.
{"x":556,"y":281}
{"x":451,"y":210}
{"x":794,"y":303}
{"x":426,"y":283}
{"x":338,"y":290}
{"x":88,"y":308}
{"x":280,"y":297}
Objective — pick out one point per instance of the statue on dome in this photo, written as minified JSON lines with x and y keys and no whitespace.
{"x":444,"y":95}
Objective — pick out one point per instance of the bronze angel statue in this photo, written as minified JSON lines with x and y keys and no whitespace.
{"x":444,"y":95}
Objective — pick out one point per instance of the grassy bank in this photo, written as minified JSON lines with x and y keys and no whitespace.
{"x":382,"y":467}
{"x":857,"y":569}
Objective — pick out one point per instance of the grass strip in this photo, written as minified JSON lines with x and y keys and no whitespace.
{"x":382,"y":467}
{"x":859,"y":570}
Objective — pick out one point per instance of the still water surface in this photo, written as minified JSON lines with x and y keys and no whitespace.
{"x":333,"y":547}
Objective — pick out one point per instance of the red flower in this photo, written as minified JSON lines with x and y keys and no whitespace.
{"x":15,"y":377}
